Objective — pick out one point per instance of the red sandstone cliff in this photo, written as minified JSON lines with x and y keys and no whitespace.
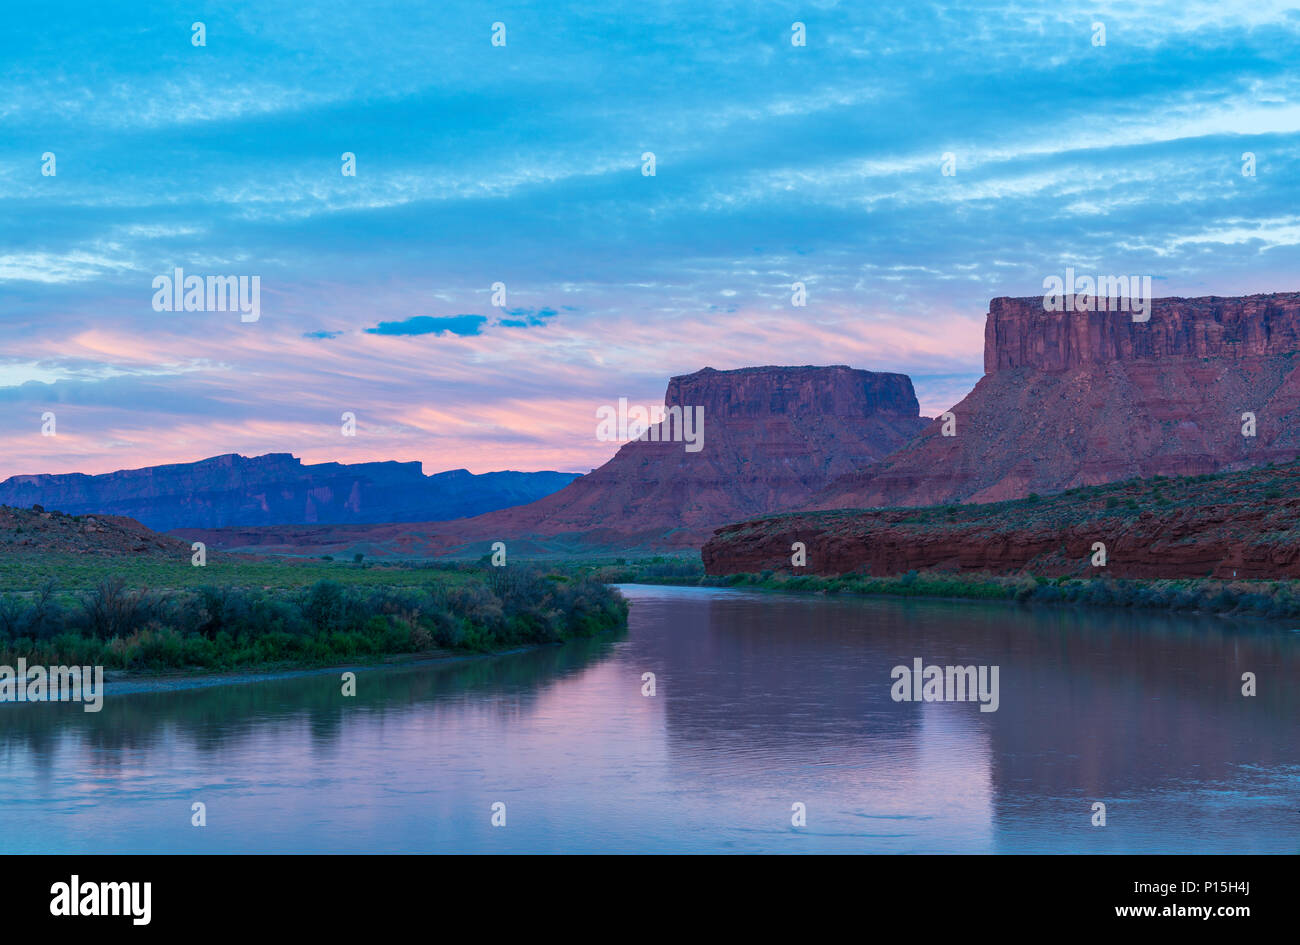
{"x":1077,"y":398}
{"x":772,"y":437}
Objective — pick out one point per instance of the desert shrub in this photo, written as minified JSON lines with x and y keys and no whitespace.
{"x":328,"y":606}
{"x":219,"y":627}
{"x":673,"y":568}
{"x":111,"y":609}
{"x":13,"y":610}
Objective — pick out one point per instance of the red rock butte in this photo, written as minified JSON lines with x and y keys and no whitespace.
{"x":772,"y":437}
{"x":1088,"y":397}
{"x":1020,"y":334}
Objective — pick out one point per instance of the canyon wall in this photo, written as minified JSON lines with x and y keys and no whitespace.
{"x":772,"y":436}
{"x":1020,"y":334}
{"x":1080,"y":398}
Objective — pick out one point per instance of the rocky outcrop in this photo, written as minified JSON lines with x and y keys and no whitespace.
{"x":1080,"y":398}
{"x":1020,"y":334}
{"x":276,"y":488}
{"x":772,"y":436}
{"x":38,"y":531}
{"x":1241,"y":524}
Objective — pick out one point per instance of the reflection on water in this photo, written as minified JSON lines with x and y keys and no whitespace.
{"x":762,"y":701}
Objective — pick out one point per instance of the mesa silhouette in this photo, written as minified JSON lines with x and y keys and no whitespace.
{"x":1069,"y":399}
{"x":276,"y":489}
{"x":773,"y":436}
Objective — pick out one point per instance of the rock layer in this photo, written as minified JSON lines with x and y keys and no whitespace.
{"x":1081,"y":398}
{"x":772,"y":437}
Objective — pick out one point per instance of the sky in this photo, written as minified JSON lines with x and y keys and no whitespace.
{"x":522,"y":164}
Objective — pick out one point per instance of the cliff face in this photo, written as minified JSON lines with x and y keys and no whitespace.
{"x":1019,"y":334}
{"x":275,"y":489}
{"x":772,"y":437}
{"x":1240,"y":524}
{"x":1080,"y":398}
{"x":867,"y":402}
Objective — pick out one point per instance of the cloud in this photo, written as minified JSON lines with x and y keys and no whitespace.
{"x":527,"y":317}
{"x":775,"y":165}
{"x":463,"y":325}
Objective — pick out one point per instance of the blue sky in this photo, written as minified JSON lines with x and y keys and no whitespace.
{"x":522,"y":165}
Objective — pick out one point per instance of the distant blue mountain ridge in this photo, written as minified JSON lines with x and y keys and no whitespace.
{"x":278,"y":489}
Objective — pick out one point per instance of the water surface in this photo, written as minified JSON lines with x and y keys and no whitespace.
{"x":762,"y":701}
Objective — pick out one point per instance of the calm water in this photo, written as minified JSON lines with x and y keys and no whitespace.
{"x":762,"y":701}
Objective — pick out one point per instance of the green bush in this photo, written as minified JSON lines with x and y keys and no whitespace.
{"x":221,"y":627}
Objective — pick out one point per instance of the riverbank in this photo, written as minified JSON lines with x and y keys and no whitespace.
{"x":1270,"y":599}
{"x":1222,"y":526}
{"x":153,"y":617}
{"x":127,"y":682}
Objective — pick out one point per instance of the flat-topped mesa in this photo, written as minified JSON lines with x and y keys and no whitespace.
{"x":1074,"y":398}
{"x":833,"y":391}
{"x":772,"y":436}
{"x":1019,"y":333}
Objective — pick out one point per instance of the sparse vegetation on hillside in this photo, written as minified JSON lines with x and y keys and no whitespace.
{"x":1235,"y":524}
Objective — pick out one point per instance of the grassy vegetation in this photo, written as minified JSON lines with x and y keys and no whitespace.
{"x":1279,"y":599}
{"x":150,"y":615}
{"x":1264,"y":492}
{"x":27,"y":572}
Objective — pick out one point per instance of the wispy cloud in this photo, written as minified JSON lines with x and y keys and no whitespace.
{"x":522,"y":166}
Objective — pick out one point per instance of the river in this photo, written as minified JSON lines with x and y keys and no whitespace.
{"x":761,"y":702}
